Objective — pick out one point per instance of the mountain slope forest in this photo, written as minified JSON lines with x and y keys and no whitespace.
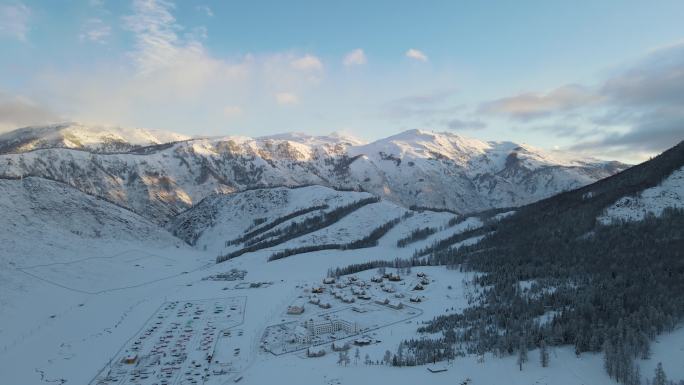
{"x":552,"y":274}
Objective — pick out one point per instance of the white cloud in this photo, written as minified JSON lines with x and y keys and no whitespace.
{"x":197,"y":33}
{"x":95,"y":30}
{"x":157,"y":44}
{"x":535,"y":105}
{"x":355,"y":57}
{"x":232,"y":111}
{"x":424,"y":105}
{"x":205,"y":9}
{"x":416,"y":55}
{"x":174,"y":82}
{"x":459,"y":124}
{"x":19,"y":111}
{"x":14,"y":20}
{"x":284,"y":98}
{"x":307,"y":63}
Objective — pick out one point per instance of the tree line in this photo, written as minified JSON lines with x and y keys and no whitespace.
{"x":297,"y":229}
{"x":262,"y":229}
{"x":369,"y":240}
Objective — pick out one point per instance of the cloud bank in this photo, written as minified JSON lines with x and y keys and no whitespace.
{"x":634,"y":113}
{"x":14,"y":20}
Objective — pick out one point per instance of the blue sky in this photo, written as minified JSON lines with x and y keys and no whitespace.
{"x":601,"y":77}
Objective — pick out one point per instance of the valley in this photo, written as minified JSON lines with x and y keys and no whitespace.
{"x":323,"y":285}
{"x":350,"y":192}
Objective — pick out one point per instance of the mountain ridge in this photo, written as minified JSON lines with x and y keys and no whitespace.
{"x":78,"y":136}
{"x":412,"y":168}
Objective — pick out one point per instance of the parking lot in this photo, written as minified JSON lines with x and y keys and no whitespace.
{"x":179,"y":344}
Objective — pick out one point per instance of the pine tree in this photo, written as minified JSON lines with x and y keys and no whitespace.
{"x":522,"y":353}
{"x":543,"y":355}
{"x":660,"y":377}
{"x":388,"y":357}
{"x":636,"y":376}
{"x":609,"y":358}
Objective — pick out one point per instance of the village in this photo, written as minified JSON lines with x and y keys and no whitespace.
{"x":203,"y":341}
{"x":342,"y":311}
{"x":184,"y":342}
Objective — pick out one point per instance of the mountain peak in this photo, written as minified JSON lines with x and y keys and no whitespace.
{"x":80,"y":136}
{"x":299,"y":137}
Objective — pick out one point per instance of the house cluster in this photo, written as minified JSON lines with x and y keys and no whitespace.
{"x":357,"y":290}
{"x":392,"y":304}
{"x":316,"y":300}
{"x":312,"y":352}
{"x":296,"y":308}
{"x":350,"y":289}
{"x":424,"y":281}
{"x":341,"y":346}
{"x":232,"y":275}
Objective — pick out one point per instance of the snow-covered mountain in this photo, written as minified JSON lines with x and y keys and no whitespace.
{"x":57,"y":214}
{"x":414,"y":168}
{"x":84,"y":137}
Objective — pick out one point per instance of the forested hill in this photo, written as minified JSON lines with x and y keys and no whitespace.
{"x":554,"y":274}
{"x":574,"y":213}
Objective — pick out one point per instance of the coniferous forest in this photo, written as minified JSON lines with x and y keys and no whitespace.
{"x":600,"y":288}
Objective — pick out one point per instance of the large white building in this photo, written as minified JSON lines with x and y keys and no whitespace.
{"x":331,"y":326}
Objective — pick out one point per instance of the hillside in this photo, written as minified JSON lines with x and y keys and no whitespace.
{"x":306,"y":219}
{"x":651,"y":201}
{"x":605,"y":275}
{"x":40,"y":209}
{"x":414,"y":168}
{"x":48,"y":222}
{"x":222,"y":218}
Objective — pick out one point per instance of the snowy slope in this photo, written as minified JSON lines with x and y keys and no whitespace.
{"x":668,"y":194}
{"x":84,"y":137}
{"x":414,"y":168}
{"x":353,"y":227}
{"x":47,"y":222}
{"x":224,"y":217}
{"x":54,"y":214}
{"x":231,"y":224}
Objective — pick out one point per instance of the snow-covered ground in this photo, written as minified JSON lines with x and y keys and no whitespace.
{"x":81,"y":280}
{"x":73,"y":335}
